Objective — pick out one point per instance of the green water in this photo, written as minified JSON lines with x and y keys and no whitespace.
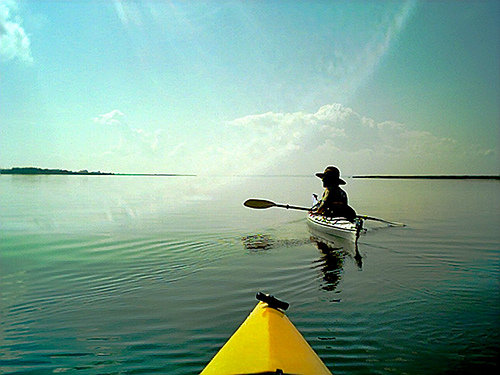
{"x":116,"y":274}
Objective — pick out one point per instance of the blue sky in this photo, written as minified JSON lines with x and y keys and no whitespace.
{"x":258,"y":87}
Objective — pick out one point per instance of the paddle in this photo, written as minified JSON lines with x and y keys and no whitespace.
{"x":262,"y":204}
{"x":391,"y":223}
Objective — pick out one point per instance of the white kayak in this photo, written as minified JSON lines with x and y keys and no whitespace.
{"x":340,"y":227}
{"x":335,"y":226}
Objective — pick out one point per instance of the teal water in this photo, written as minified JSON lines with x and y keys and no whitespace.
{"x":108,"y":274}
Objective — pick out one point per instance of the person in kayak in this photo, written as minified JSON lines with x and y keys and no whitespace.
{"x":333,"y":203}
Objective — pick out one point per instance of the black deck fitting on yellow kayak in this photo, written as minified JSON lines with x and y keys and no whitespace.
{"x":272,"y":301}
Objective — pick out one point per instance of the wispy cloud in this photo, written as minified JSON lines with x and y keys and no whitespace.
{"x":113,"y":118}
{"x":353,"y":60}
{"x":14,"y":42}
{"x":128,"y":12}
{"x":132,"y":140}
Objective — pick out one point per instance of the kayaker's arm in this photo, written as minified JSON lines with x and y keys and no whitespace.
{"x":321,"y":207}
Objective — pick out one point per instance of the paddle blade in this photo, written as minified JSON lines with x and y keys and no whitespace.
{"x":391,"y":223}
{"x":258,"y":203}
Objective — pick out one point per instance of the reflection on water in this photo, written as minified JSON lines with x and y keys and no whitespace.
{"x":333,"y":242}
{"x":330,"y":263}
{"x":332,"y":259}
{"x":332,"y":253}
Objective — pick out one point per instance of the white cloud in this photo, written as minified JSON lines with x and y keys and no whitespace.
{"x":113,"y":118}
{"x":296,"y":143}
{"x":14,"y":42}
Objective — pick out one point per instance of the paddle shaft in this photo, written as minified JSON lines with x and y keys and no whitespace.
{"x":287,"y":206}
{"x":261,"y":203}
{"x":394,"y":224}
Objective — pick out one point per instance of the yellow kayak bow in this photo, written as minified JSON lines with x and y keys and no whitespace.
{"x":266,"y":343}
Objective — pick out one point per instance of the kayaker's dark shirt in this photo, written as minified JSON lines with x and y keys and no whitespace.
{"x":334,"y":203}
{"x":334,"y":196}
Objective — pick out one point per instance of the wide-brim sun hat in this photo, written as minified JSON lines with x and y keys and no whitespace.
{"x":332,"y":173}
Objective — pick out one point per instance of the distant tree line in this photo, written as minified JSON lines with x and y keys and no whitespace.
{"x":34,"y":170}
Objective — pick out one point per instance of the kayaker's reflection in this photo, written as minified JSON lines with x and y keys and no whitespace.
{"x":332,"y":261}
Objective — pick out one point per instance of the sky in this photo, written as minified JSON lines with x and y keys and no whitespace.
{"x":251,"y":87}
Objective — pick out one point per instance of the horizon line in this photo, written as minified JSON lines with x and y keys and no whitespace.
{"x":54,"y":171}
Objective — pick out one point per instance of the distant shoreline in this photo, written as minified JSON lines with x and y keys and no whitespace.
{"x":154,"y":174}
{"x":41,"y":171}
{"x":432,"y":177}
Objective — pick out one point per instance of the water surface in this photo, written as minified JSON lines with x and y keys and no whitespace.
{"x":116,"y":274}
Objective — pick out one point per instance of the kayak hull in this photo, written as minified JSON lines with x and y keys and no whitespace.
{"x":334,"y":226}
{"x":266,"y":342}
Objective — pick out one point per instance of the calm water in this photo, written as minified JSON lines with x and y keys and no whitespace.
{"x":106,"y":275}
